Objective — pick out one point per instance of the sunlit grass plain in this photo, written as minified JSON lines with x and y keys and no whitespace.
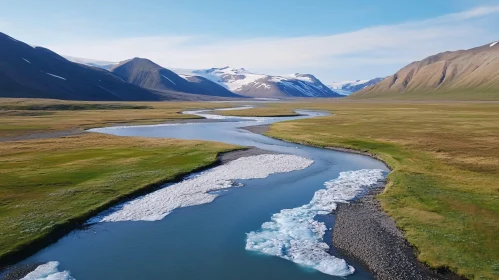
{"x":26,"y":116}
{"x":49,"y":183}
{"x":443,"y":190}
{"x":444,"y":187}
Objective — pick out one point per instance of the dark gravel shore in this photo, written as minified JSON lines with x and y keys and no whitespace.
{"x":17,"y":272}
{"x":367,"y":234}
{"x":258,"y":129}
{"x":250,"y":151}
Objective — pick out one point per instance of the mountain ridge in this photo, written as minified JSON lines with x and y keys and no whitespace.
{"x":27,"y":71}
{"x":455,"y":74}
{"x":246,"y":83}
{"x":36,"y":72}
{"x":147,"y":74}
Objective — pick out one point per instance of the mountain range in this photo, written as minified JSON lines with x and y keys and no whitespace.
{"x":147,"y":74}
{"x":37,"y":72}
{"x":249,"y":84}
{"x":463,"y":74}
{"x":349,"y":87}
{"x":27,"y":71}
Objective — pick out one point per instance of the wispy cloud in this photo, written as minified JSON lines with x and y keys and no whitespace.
{"x":364,"y":53}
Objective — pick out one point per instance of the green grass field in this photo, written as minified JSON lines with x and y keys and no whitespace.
{"x":443,"y":191}
{"x":482,"y":94}
{"x":444,"y":188}
{"x":49,"y":183}
{"x":26,"y":116}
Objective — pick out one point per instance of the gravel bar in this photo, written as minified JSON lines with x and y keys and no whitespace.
{"x":367,"y":234}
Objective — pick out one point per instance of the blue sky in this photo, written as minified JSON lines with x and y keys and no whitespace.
{"x":335,"y":40}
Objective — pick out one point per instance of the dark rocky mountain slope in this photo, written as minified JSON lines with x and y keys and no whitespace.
{"x":147,"y":74}
{"x":36,"y":72}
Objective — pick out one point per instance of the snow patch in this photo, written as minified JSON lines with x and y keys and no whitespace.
{"x":185,"y":77}
{"x":107,"y":65}
{"x":199,"y":189}
{"x":120,"y":79}
{"x":293,"y":234}
{"x":342,"y":85}
{"x":304,"y":88}
{"x":349,"y":87}
{"x":238,"y":80}
{"x":301,"y":77}
{"x":26,"y":60}
{"x":168,"y":79}
{"x":493,"y":44}
{"x":59,"y":77}
{"x":343,"y":92}
{"x":48,"y":271}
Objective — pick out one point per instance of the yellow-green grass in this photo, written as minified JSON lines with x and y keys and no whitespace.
{"x":48,"y":184}
{"x":444,"y":187}
{"x":25,"y":116}
{"x":478,"y":94}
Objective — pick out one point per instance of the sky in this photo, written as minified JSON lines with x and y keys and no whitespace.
{"x":333,"y":39}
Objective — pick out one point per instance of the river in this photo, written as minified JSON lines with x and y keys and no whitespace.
{"x":211,"y":241}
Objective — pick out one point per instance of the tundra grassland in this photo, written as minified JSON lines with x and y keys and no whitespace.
{"x":20,"y":117}
{"x":50,"y":185}
{"x":443,"y":191}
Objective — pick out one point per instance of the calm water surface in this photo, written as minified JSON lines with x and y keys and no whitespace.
{"x":207,"y":241}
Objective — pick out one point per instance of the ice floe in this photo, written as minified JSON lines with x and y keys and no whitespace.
{"x":48,"y":271}
{"x":199,"y":189}
{"x":293,"y":234}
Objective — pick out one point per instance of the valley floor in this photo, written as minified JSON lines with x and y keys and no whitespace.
{"x":443,"y":191}
{"x":55,"y":176}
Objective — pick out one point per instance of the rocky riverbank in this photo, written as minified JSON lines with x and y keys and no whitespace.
{"x":367,"y":234}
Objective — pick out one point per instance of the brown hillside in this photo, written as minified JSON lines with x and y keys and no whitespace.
{"x":473,"y":70}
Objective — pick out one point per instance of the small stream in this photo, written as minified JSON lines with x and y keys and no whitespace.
{"x":209,"y":241}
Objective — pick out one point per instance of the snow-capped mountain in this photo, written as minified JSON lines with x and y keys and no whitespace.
{"x":147,"y":74}
{"x":348,"y":87}
{"x":250,"y":84}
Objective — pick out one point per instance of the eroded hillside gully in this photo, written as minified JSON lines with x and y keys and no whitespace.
{"x":278,"y":226}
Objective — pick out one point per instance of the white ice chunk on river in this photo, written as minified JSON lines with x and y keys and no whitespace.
{"x":199,"y":189}
{"x":48,"y":271}
{"x":293,"y":234}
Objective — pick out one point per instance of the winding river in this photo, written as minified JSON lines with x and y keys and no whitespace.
{"x":243,"y":233}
